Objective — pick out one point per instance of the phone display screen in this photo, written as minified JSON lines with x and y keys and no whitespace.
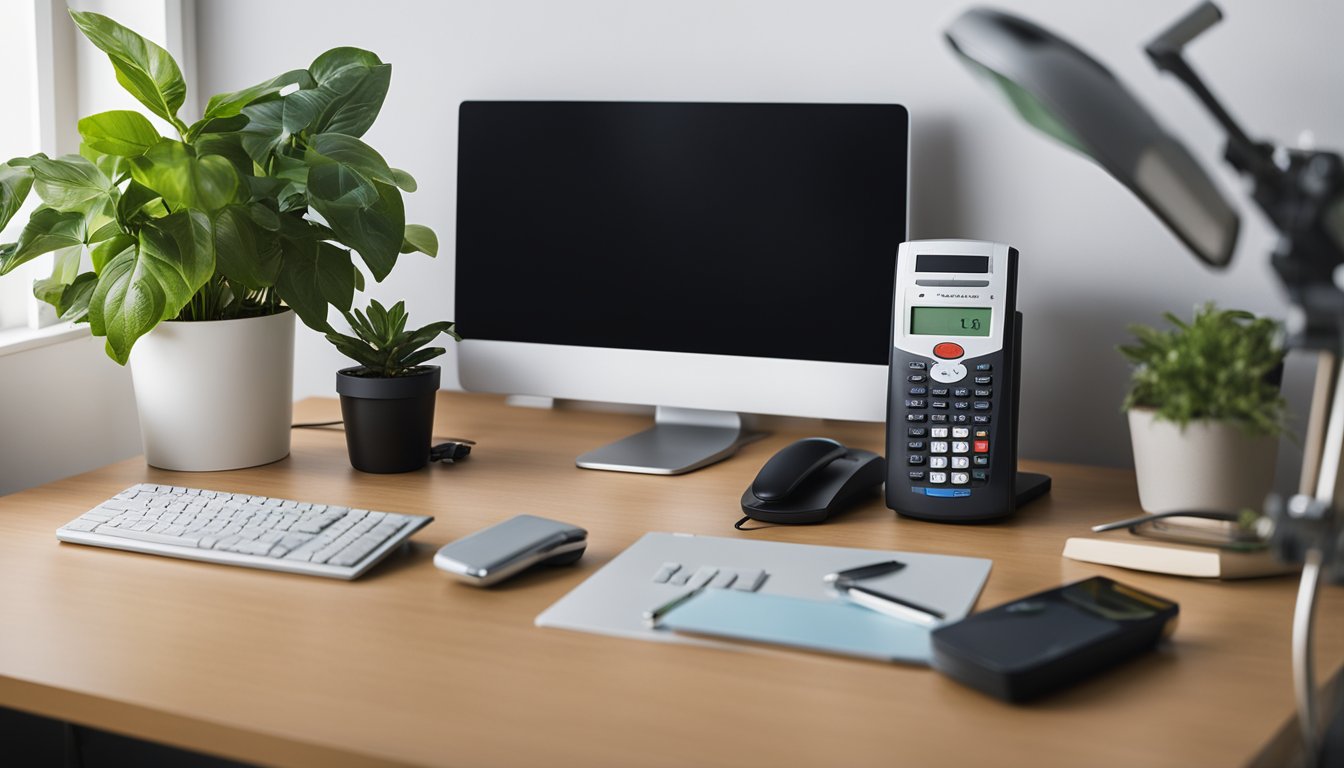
{"x":950,"y":321}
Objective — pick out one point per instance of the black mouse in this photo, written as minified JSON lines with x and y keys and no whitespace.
{"x":809,"y":481}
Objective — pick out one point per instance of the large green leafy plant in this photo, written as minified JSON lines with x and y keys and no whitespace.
{"x":1223,"y":364}
{"x":257,"y":205}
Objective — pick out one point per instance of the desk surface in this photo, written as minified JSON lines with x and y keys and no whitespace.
{"x":405,"y":666}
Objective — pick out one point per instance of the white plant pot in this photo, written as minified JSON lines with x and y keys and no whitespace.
{"x":1210,"y":465}
{"x":215,"y":395}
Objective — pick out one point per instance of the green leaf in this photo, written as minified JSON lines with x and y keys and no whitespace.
{"x":350,"y":152}
{"x":74,"y":303}
{"x":271,"y":123}
{"x":65,"y":268}
{"x":151,"y":282}
{"x":133,"y":201}
{"x":229,"y":104}
{"x":404,"y":180}
{"x":15,"y":182}
{"x":374,"y":228}
{"x":144,"y":69}
{"x":337,"y":61}
{"x":230,"y":147}
{"x":121,"y":133}
{"x":420,"y":238}
{"x":47,"y":230}
{"x":206,"y":183}
{"x":315,"y":275}
{"x":106,"y":250}
{"x":361,"y":97}
{"x":69,"y":183}
{"x":245,"y":253}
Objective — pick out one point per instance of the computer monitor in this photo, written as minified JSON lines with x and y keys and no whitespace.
{"x":705,"y":258}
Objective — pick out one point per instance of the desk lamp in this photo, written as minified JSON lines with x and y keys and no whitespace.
{"x":1069,"y":96}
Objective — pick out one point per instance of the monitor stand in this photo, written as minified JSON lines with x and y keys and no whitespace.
{"x":681,"y":440}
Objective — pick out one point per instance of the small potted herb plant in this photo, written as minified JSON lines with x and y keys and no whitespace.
{"x":1205,"y":412}
{"x":387,"y":401}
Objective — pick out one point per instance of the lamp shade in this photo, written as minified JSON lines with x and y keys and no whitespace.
{"x":1071,"y":97}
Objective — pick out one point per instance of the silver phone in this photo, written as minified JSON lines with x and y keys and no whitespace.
{"x":493,"y":554}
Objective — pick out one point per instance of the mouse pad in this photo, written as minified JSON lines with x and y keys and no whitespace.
{"x":613,"y":600}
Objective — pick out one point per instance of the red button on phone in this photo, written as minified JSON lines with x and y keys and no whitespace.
{"x":981,"y":446}
{"x":948,"y":351}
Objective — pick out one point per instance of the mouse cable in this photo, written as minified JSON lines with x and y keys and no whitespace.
{"x":745,"y":518}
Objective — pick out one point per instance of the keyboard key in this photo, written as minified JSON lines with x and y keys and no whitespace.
{"x":960,"y":446}
{"x":937,"y":478}
{"x":960,"y":462}
{"x":984,"y":379}
{"x":982,"y":446}
{"x":938,"y":418}
{"x":749,"y":580}
{"x":916,"y":431}
{"x":665,"y":572}
{"x":702,"y":576}
{"x":960,"y":478}
{"x":983,"y":367}
{"x":723,"y":580}
{"x":938,"y":446}
{"x":937,"y":432}
{"x":961,"y":432}
{"x":937,"y":462}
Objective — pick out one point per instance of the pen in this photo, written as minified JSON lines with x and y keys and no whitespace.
{"x":863,"y":572}
{"x":893,"y":606}
{"x":651,"y":617}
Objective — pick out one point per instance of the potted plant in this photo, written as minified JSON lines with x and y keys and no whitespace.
{"x":227,"y":229}
{"x":387,"y":401}
{"x":1205,"y":412}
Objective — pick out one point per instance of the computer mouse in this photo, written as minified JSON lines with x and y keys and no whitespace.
{"x":811,"y":480}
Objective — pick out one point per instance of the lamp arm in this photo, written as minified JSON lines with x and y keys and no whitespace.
{"x":1244,"y":153}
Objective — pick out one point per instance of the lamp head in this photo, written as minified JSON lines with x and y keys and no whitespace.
{"x":1071,"y":97}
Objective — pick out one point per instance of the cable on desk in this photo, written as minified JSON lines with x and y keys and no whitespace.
{"x":745,"y":518}
{"x":453,"y":449}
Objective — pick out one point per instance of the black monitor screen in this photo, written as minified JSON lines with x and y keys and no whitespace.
{"x":763,"y":230}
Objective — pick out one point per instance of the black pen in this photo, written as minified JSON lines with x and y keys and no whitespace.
{"x":863,"y":572}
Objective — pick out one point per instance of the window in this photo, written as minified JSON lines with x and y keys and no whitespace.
{"x":18,"y":137}
{"x":49,"y":77}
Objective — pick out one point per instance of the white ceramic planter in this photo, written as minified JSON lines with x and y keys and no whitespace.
{"x":1210,"y":465}
{"x":215,"y":395}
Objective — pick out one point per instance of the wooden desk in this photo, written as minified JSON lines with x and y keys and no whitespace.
{"x":405,"y":666}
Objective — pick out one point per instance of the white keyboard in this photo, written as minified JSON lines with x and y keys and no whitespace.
{"x":239,"y":529}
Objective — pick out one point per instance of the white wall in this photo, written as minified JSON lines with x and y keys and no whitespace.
{"x":66,"y":408}
{"x":1094,"y":259}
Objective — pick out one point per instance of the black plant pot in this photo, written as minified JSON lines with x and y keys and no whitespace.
{"x":388,"y":421}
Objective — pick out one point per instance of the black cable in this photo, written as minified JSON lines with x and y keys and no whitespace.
{"x":745,"y":518}
{"x":454,"y":449}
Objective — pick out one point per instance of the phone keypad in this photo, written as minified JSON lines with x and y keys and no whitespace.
{"x":954,"y":449}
